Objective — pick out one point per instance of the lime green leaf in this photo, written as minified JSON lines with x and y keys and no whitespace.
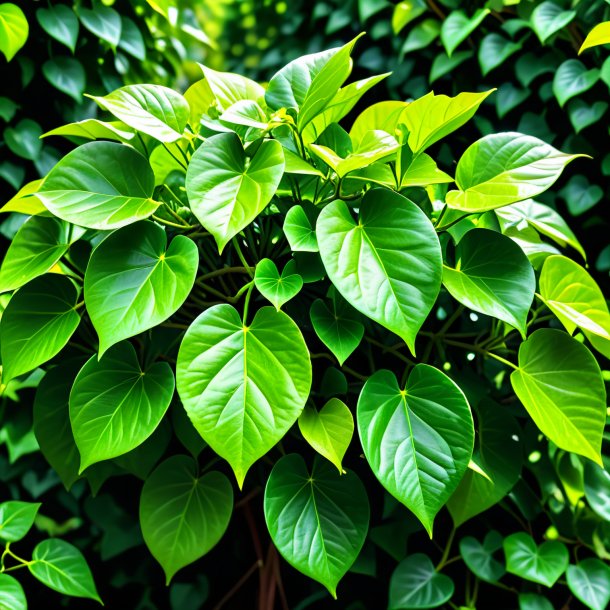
{"x":24,"y":139}
{"x":494,"y":51}
{"x":183,"y":514}
{"x":418,"y":441}
{"x":318,"y":520}
{"x":16,"y":519}
{"x":157,"y":111}
{"x":115,"y":405}
{"x":60,"y":23}
{"x":295,"y":164}
{"x":93,"y":129}
{"x":492,"y":276}
{"x":582,"y":114}
{"x":256,"y":384}
{"x":337,"y":326}
{"x":134,"y":281}
{"x":276,"y":288}
{"x":388,"y":264}
{"x":100,"y":185}
{"x":247,"y":113}
{"x":572,"y":78}
{"x":382,"y":116}
{"x":405,"y":12}
{"x":589,"y":581}
{"x":542,"y":564}
{"x":600,"y":34}
{"x":504,"y":168}
{"x":560,"y":384}
{"x":479,"y":557}
{"x":132,"y":41}
{"x":416,"y":584}
{"x":299,"y":231}
{"x":14,"y":29}
{"x":62,"y":567}
{"x":597,"y":489}
{"x":37,"y":323}
{"x":102,"y":21}
{"x":423,"y":171}
{"x":532,"y":601}
{"x":199,"y":97}
{"x":458,"y":26}
{"x":228,"y":190}
{"x":22,"y":202}
{"x":12,"y":596}
{"x":329,"y":431}
{"x":229,"y":88}
{"x":67,"y":75}
{"x":548,"y":18}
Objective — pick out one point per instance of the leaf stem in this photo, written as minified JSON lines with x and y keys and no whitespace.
{"x":479,"y":350}
{"x":445,"y":556}
{"x":169,"y":223}
{"x":249,"y":288}
{"x":241,"y":256}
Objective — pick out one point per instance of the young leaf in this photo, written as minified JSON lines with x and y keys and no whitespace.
{"x":329,"y":431}
{"x":382,"y":116}
{"x":93,"y":129}
{"x":542,"y":564}
{"x":254,"y":379}
{"x":228,"y":190}
{"x":418,"y":441}
{"x":37,"y":323}
{"x":14,"y":29}
{"x":500,"y":169}
{"x":589,"y":581}
{"x":572,"y":78}
{"x":12,"y":596}
{"x":62,"y":567}
{"x":388,"y":264}
{"x":16,"y":519}
{"x":600,"y":34}
{"x":548,"y":18}
{"x":230,"y":88}
{"x":61,"y":23}
{"x":479,"y":557}
{"x":492,"y":276}
{"x":102,"y":21}
{"x":416,"y":584}
{"x":560,"y":384}
{"x":100,"y":185}
{"x":318,"y":520}
{"x":405,"y":12}
{"x":458,"y":26}
{"x":134,"y":281}
{"x":183,"y":514}
{"x":299,"y":231}
{"x":115,"y":405}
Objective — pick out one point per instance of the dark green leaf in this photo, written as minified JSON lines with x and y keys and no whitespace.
{"x":67,"y":75}
{"x":59,"y":22}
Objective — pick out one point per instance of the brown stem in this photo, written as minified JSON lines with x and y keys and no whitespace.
{"x":240,"y":583}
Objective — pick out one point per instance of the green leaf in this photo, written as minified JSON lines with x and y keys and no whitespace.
{"x":24,"y":139}
{"x":299,"y":231}
{"x":100,"y":185}
{"x":62,"y":567}
{"x":589,"y":581}
{"x":132,"y":41}
{"x":60,"y":23}
{"x":405,"y":12}
{"x":548,"y":18}
{"x":37,"y":323}
{"x":600,"y":34}
{"x":542,"y":564}
{"x":498,"y":455}
{"x":416,"y":584}
{"x":16,"y":519}
{"x":492,"y":276}
{"x":421,"y":36}
{"x":597,"y":489}
{"x":183,"y":514}
{"x":115,"y":405}
{"x":67,"y":75}
{"x":479,"y":557}
{"x":494,"y":50}
{"x":572,"y":78}
{"x":318,"y":520}
{"x":134,"y":281}
{"x":102,"y":21}
{"x":418,"y":441}
{"x":504,"y":168}
{"x":254,"y":379}
{"x":382,"y":116}
{"x":582,"y":114}
{"x":432,"y":117}
{"x":8,"y":109}
{"x":444,"y":64}
{"x":337,"y":326}
{"x":228,"y":190}
{"x":532,"y":601}
{"x":229,"y":88}
{"x":14,"y":29}
{"x":329,"y":431}
{"x":157,"y":111}
{"x":509,"y":97}
{"x":93,"y":129}
{"x":388,"y":264}
{"x":560,"y":384}
{"x":581,"y":195}
{"x":247,"y":113}
{"x":530,"y":66}
{"x":277,"y":289}
{"x":12,"y":596}
{"x":458,"y":26}
{"x":423,"y":171}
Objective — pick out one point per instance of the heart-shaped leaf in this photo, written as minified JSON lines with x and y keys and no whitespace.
{"x":276,"y":288}
{"x":14,"y":29}
{"x":405,"y":12}
{"x":16,"y":519}
{"x":416,"y":584}
{"x":581,"y":195}
{"x":597,"y":489}
{"x":589,"y":581}
{"x":329,"y":431}
{"x":299,"y":230}
{"x":572,"y":78}
{"x":494,"y":50}
{"x":67,"y":75}
{"x":134,"y":281}
{"x":582,"y":114}
{"x":61,"y":23}
{"x":228,"y":190}
{"x":115,"y":405}
{"x":479,"y":557}
{"x":532,"y":601}
{"x":560,"y":384}
{"x":388,"y":264}
{"x":100,"y":185}
{"x":183,"y":514}
{"x":12,"y":596}
{"x":24,"y":138}
{"x":458,"y":26}
{"x":418,"y":441}
{"x":318,"y":520}
{"x":548,"y":18}
{"x":542,"y":564}
{"x":132,"y":41}
{"x":102,"y":21}
{"x":253,"y":379}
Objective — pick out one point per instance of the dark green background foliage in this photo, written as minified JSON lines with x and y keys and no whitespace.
{"x":523,"y":521}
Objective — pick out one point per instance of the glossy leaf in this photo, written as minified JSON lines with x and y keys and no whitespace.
{"x":583,"y":115}
{"x":16,"y":519}
{"x":382,"y":116}
{"x":132,"y":41}
{"x":421,"y":36}
{"x":102,"y":21}
{"x":14,"y":29}
{"x":277,"y":289}
{"x":600,"y":34}
{"x":417,"y":440}
{"x":405,"y":12}
{"x":479,"y":557}
{"x":423,"y":171}
{"x":135,"y":281}
{"x":183,"y":514}
{"x":230,"y":88}
{"x":299,"y":231}
{"x":100,"y":185}
{"x":318,"y":519}
{"x":494,"y":51}
{"x":93,"y":129}
{"x":12,"y":596}
{"x":589,"y":581}
{"x":252,"y":379}
{"x":597,"y":489}
{"x":67,"y":75}
{"x":548,"y":18}
{"x":572,"y":78}
{"x":458,"y":26}
{"x":24,"y":138}
{"x":388,"y":264}
{"x":60,"y":22}
{"x":532,"y":601}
